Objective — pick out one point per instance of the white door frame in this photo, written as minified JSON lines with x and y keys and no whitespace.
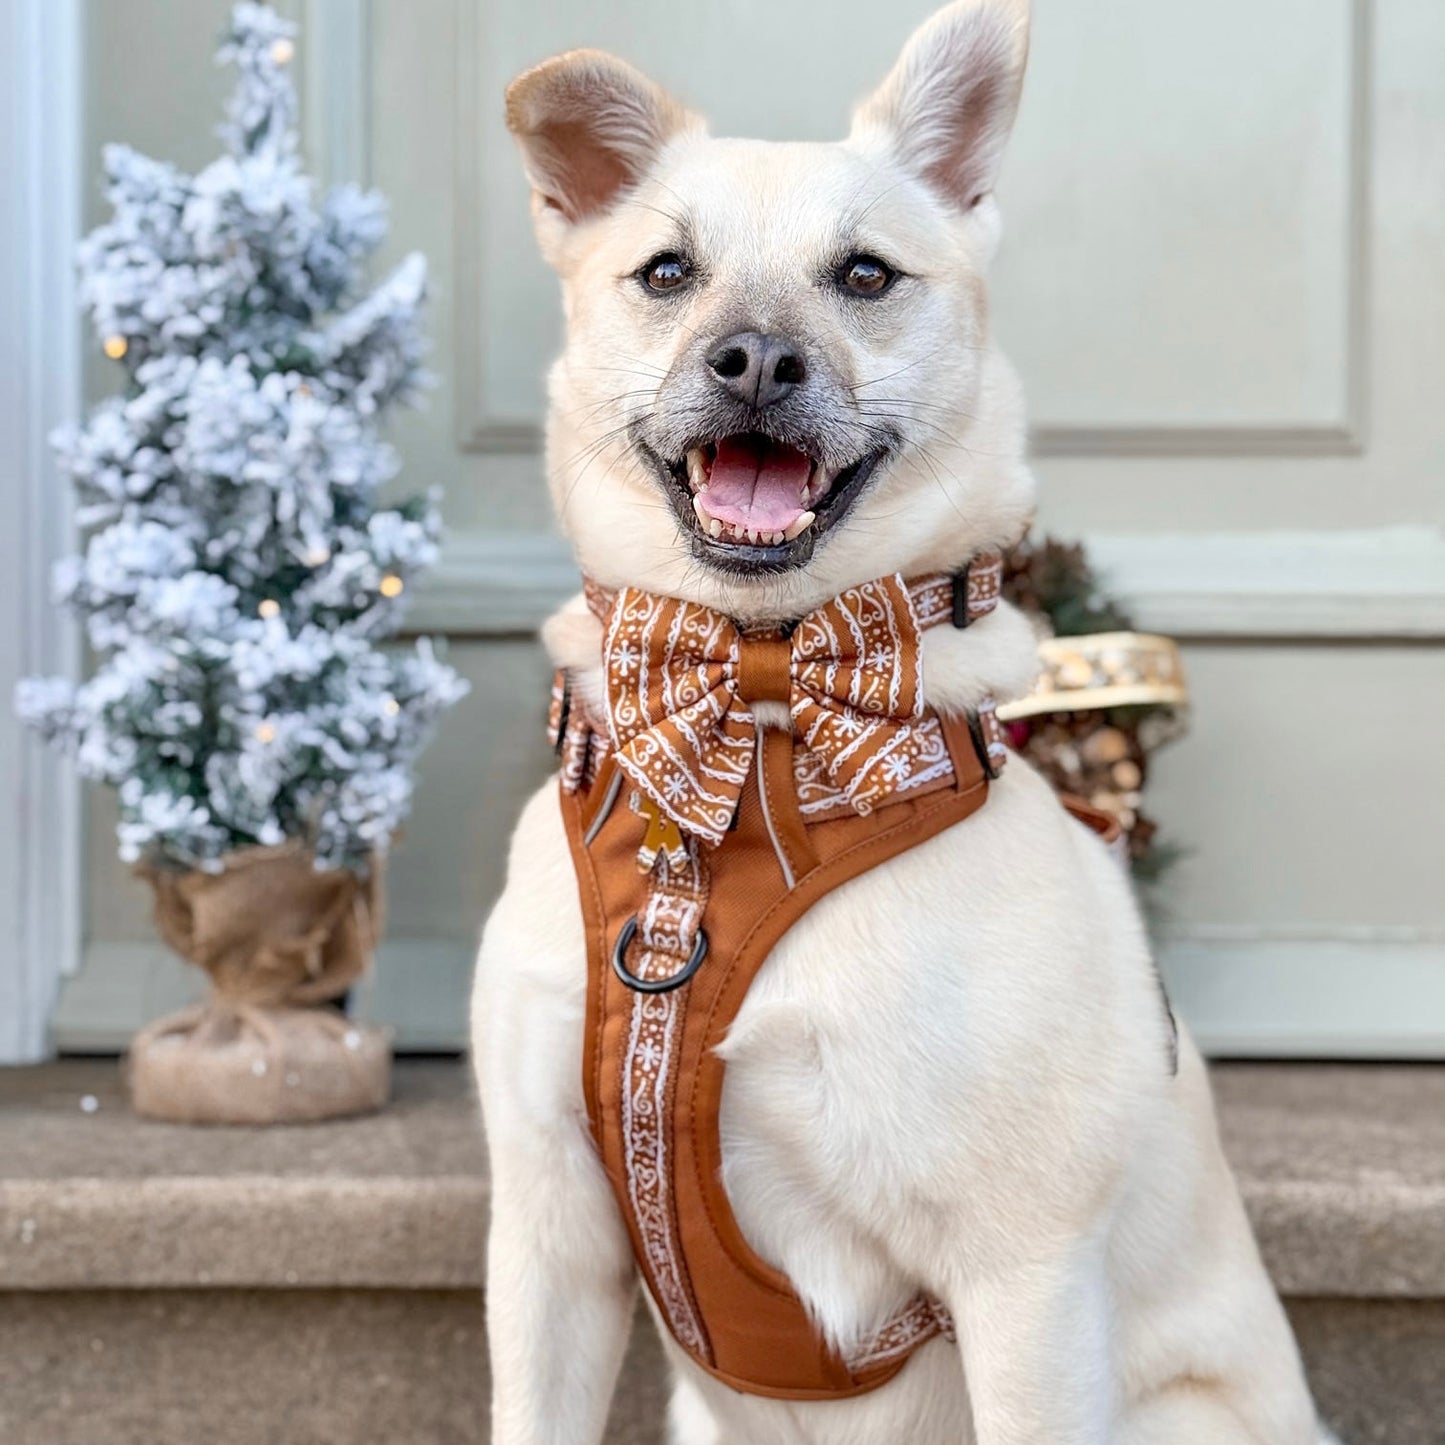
{"x":40,"y":816}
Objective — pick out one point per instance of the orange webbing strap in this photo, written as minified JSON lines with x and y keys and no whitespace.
{"x":1106,"y":825}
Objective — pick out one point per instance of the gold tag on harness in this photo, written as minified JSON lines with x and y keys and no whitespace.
{"x":662,"y":836}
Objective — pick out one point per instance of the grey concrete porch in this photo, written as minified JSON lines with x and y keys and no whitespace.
{"x":323,"y":1283}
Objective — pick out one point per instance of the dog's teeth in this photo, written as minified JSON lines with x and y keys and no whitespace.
{"x":797,"y":528}
{"x":714,"y":528}
{"x":697,"y":469}
{"x":777,"y":538}
{"x":702,"y":516}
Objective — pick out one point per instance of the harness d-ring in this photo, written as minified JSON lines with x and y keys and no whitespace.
{"x":625,"y":936}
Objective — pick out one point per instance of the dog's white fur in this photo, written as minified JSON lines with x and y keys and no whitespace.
{"x":953,"y":1073}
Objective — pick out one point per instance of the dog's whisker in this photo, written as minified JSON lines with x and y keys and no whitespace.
{"x":648,"y":375}
{"x":918,"y":361}
{"x":583,"y":459}
{"x":612,"y":403}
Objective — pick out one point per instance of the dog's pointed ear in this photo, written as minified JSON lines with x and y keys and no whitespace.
{"x":588,"y":126}
{"x":948,"y":105}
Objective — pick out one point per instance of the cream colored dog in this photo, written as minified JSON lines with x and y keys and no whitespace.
{"x":955,"y":1072}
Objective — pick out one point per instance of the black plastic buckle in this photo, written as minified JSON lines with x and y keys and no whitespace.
{"x":980,"y":747}
{"x":961,"y":619}
{"x":564,"y":714}
{"x":625,"y":936}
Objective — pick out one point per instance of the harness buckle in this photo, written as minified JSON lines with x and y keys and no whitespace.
{"x":961,"y":619}
{"x":991,"y":770}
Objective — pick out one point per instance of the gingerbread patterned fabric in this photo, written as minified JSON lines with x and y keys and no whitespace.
{"x":668,"y":926}
{"x":679,"y":713}
{"x":581,"y":749}
{"x":583,"y":743}
{"x":729,"y":852}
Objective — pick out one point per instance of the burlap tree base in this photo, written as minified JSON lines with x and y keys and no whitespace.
{"x":278,"y":939}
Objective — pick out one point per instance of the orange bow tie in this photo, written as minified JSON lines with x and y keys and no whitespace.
{"x":681,"y":681}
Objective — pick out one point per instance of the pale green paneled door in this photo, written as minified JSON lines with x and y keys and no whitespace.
{"x":1221,"y":280}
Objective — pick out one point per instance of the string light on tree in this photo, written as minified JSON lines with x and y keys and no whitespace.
{"x":317,"y":556}
{"x":269,"y":608}
{"x":391,"y":585}
{"x":283,"y":51}
{"x":115,"y":347}
{"x":391,"y":707}
{"x":266,"y":733}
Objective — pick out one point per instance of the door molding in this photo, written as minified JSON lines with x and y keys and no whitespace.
{"x":481,"y":428}
{"x":1296,"y":993}
{"x":1245,"y":993}
{"x":40,"y":186}
{"x":1370,"y":585}
{"x":1343,"y":437}
{"x":336,"y":93}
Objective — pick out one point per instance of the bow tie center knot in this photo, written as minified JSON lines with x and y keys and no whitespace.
{"x":765,"y":669}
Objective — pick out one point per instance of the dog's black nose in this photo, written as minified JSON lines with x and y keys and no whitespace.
{"x":757,"y":368}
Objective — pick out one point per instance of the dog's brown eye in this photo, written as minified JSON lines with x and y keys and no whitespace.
{"x":665,"y":272}
{"x":866,"y":275}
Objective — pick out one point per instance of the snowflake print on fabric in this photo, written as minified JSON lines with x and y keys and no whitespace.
{"x":897,"y":768}
{"x":667,"y":930}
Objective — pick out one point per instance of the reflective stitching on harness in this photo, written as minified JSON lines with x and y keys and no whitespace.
{"x":646,"y":1071}
{"x":613,"y":788}
{"x":768,"y":816}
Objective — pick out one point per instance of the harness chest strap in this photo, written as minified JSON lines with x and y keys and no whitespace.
{"x":652,"y":1077}
{"x":688,"y":936}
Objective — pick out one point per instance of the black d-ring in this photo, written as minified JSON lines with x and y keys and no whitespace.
{"x":654,"y":985}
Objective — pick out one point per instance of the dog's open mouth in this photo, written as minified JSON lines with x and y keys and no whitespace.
{"x":754,"y":504}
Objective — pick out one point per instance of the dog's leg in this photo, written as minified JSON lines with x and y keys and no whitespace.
{"x":560,"y":1278}
{"x":559,"y":1303}
{"x":1035,"y":1342}
{"x":689,"y":1421}
{"x":1191,"y":1413}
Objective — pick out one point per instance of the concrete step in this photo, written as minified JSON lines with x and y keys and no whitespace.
{"x":161,"y":1284}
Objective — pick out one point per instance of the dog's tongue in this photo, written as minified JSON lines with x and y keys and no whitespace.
{"x":757,"y":484}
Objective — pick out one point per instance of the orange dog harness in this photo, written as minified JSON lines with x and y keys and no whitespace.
{"x":729,"y":832}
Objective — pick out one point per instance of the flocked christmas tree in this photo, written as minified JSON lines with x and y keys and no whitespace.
{"x":239,"y":572}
